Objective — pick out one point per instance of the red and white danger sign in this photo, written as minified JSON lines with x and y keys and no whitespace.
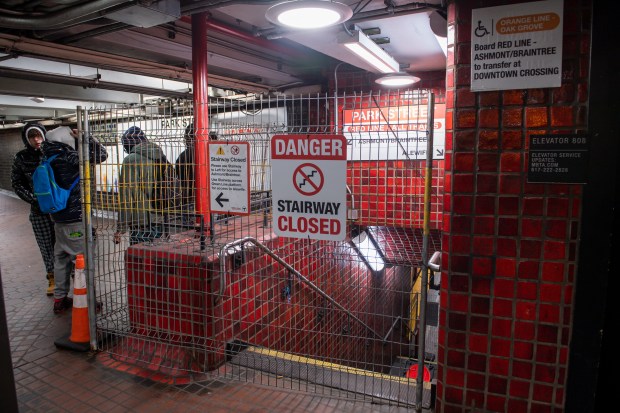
{"x":308,"y":176}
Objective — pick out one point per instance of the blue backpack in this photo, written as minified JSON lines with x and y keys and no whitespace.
{"x":51,"y":197}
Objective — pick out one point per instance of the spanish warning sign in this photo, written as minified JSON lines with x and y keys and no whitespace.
{"x":518,"y":46}
{"x":308,"y":176}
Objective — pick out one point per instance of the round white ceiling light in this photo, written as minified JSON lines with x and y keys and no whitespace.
{"x":397,"y":79}
{"x":308,"y":14}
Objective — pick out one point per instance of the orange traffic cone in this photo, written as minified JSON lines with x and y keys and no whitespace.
{"x":79,"y":339}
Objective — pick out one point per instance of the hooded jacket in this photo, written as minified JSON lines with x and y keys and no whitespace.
{"x":24,"y":164}
{"x":66,"y":169}
{"x":136,"y":186}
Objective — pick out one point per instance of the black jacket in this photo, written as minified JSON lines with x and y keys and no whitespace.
{"x":24,"y":164}
{"x":66,"y":169}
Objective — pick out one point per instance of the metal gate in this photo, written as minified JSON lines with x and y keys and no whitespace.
{"x":186,"y":296}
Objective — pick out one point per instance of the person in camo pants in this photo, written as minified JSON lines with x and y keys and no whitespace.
{"x":24,"y":164}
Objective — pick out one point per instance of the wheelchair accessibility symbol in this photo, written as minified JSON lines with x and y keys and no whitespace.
{"x":481,"y":31}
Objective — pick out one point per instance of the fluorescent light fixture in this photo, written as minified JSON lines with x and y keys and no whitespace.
{"x":368,"y":251}
{"x":364,"y":47}
{"x":38,"y":99}
{"x":308,"y":14}
{"x":398,"y":79}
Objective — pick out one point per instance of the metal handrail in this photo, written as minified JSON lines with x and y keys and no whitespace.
{"x":434,"y":262}
{"x":252,"y":240}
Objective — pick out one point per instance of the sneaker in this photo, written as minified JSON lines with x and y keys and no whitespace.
{"x":50,"y":285}
{"x":62,"y":304}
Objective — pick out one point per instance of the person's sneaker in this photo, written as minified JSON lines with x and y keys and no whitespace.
{"x":62,"y":304}
{"x":50,"y":285}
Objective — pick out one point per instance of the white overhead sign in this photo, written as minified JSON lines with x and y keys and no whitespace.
{"x":308,"y":174}
{"x":518,"y":46}
{"x":393,"y":132}
{"x":229,"y":177}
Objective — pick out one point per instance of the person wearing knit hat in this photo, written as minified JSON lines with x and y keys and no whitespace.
{"x":140,"y":181}
{"x":24,"y":164}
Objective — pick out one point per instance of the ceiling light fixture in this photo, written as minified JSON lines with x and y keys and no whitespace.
{"x":397,"y":79}
{"x":38,"y":99}
{"x":367,"y":49}
{"x":308,"y":14}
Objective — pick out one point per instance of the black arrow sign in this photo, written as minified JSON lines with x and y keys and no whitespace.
{"x":219,"y":199}
{"x":439,"y":152}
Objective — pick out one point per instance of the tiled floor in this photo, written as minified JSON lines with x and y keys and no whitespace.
{"x":51,"y":380}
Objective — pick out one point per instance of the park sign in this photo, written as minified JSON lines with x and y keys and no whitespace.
{"x":517,"y":46}
{"x":308,"y":177}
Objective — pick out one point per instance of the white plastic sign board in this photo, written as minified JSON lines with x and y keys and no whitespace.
{"x":518,"y":46}
{"x":308,"y":174}
{"x":229,"y":168}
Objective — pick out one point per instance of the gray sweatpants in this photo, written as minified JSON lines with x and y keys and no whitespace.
{"x":70,"y":241}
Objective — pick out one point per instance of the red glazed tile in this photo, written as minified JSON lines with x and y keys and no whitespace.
{"x":528,"y":270}
{"x":500,"y":347}
{"x":502,"y":308}
{"x":533,"y":206}
{"x":546,"y":353}
{"x":479,"y":325}
{"x":523,"y":350}
{"x":463,"y":183}
{"x":510,"y":162}
{"x":506,"y":247}
{"x":488,"y":140}
{"x":459,"y":283}
{"x":484,"y":205}
{"x":477,"y":362}
{"x":545,"y":373}
{"x":557,"y":207}
{"x":512,"y":118}
{"x":564,"y":94}
{"x":480,"y":305}
{"x":465,"y":98}
{"x":527,"y":290}
{"x":457,"y":321}
{"x":465,"y":140}
{"x":551,"y":293}
{"x":455,"y":378}
{"x":498,"y":366}
{"x":508,"y":226}
{"x":486,"y":183}
{"x":463,"y":76}
{"x":537,"y":96}
{"x":463,"y":162}
{"x":501,"y":327}
{"x":505,"y":267}
{"x":508,"y":205}
{"x":521,"y":369}
{"x":519,"y":388}
{"x":548,"y":333}
{"x":459,"y":264}
{"x":517,"y":406}
{"x":466,"y":118}
{"x":456,"y":359}
{"x":542,"y":393}
{"x":503,"y":288}
{"x":496,"y":403}
{"x":489,"y":99}
{"x":513,"y":97}
{"x":476,"y":381}
{"x":531,"y":228}
{"x":474,"y":398}
{"x":460,"y":244}
{"x":524,"y":330}
{"x":487,"y":162}
{"x":498,"y":385}
{"x":510,"y":184}
{"x":554,"y":250}
{"x":553,"y":271}
{"x":526,"y":310}
{"x":484,"y":225}
{"x":488,"y":118}
{"x":453,"y":395}
{"x":458,"y":302}
{"x":556,"y":229}
{"x":478,"y":343}
{"x":480,"y":285}
{"x":482,"y":246}
{"x":530,"y":249}
{"x":536,"y":117}
{"x":562,"y":116}
{"x":512,"y":139}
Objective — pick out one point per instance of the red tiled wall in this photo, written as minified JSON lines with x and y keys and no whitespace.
{"x":509,"y":247}
{"x":254,"y":310}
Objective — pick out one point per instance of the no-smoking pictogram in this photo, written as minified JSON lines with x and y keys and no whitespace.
{"x":234,"y":150}
{"x":308,"y":179}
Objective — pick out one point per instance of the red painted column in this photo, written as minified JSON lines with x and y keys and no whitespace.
{"x":509,"y":247}
{"x":201,"y":113}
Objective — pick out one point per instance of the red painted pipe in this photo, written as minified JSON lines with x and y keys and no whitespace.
{"x":201,"y":114}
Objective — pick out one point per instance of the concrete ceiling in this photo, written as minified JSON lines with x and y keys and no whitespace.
{"x":144,"y":48}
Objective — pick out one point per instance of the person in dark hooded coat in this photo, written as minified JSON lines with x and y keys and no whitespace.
{"x":24,"y":164}
{"x":68,"y":228}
